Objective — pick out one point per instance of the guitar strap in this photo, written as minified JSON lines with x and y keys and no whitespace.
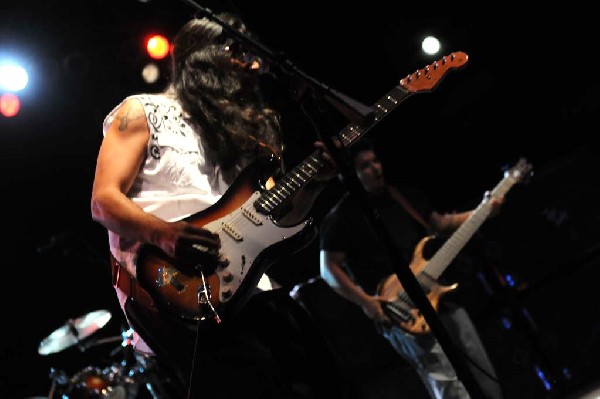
{"x":395,"y":193}
{"x":123,"y":280}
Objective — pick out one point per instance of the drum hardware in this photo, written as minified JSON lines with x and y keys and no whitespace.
{"x":59,"y":379}
{"x":120,"y":380}
{"x":124,"y":379}
{"x":95,"y":383}
{"x":73,"y":332}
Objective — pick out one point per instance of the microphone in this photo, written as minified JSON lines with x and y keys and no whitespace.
{"x":256,"y":64}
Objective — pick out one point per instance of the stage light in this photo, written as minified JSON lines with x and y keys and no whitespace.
{"x":150,"y":73}
{"x":9,"y":105}
{"x":431,"y":45}
{"x":157,"y":47}
{"x":13,"y":77}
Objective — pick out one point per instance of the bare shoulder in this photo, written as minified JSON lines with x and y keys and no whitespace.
{"x":130,"y":115}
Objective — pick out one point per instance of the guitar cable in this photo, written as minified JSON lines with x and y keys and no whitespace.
{"x":204,"y":292}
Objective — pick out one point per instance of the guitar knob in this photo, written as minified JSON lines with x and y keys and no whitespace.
{"x":227,"y":293}
{"x":228,"y":277}
{"x":224,"y":262}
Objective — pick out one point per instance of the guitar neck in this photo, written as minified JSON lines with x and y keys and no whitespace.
{"x":422,"y":80}
{"x":301,"y":174}
{"x":446,"y":254}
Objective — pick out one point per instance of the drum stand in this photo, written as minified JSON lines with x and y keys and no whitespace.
{"x":120,"y":380}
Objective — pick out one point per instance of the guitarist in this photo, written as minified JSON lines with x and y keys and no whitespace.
{"x":167,"y":156}
{"x":354,"y":263}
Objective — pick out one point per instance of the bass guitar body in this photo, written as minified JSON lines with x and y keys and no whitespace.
{"x":399,"y":306}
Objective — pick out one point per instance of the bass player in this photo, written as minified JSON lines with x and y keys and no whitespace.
{"x":353,"y":261}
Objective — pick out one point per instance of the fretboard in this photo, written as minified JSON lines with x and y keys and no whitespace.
{"x":301,"y":174}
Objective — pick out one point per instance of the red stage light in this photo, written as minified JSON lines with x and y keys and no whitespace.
{"x":9,"y":105}
{"x":157,"y":47}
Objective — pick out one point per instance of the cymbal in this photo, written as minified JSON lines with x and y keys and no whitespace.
{"x":73,"y":331}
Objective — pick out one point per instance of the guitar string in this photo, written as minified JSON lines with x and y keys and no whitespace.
{"x":349,"y":135}
{"x":446,"y":251}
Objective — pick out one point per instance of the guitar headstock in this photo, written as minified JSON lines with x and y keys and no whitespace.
{"x":520,"y":171}
{"x":427,"y":79}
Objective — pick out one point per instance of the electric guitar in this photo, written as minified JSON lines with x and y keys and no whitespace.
{"x":251,"y":238}
{"x":399,"y":307}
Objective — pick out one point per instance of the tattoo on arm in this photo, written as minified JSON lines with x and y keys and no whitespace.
{"x":128,"y":115}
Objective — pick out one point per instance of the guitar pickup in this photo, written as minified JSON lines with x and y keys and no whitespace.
{"x":251,"y":215}
{"x":396,"y":313}
{"x":231,"y":231}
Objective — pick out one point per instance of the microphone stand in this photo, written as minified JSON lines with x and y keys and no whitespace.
{"x":361,"y":115}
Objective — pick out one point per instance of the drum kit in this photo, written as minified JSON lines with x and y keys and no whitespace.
{"x":121,"y":380}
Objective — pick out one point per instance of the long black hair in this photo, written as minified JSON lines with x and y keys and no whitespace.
{"x":220,"y":93}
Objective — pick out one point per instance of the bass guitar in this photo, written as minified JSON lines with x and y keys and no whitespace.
{"x":251,"y":238}
{"x":399,"y":306}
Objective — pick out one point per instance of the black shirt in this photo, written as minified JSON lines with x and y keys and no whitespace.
{"x":347,"y":228}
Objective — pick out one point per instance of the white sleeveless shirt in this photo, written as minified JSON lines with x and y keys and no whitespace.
{"x":176,"y":179}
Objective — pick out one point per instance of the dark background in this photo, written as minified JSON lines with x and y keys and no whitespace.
{"x":528,"y":90}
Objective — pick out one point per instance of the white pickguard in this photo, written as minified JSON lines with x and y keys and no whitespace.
{"x":244,"y":235}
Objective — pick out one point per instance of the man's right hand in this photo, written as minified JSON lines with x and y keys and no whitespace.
{"x":182,"y":239}
{"x":373,"y":308}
